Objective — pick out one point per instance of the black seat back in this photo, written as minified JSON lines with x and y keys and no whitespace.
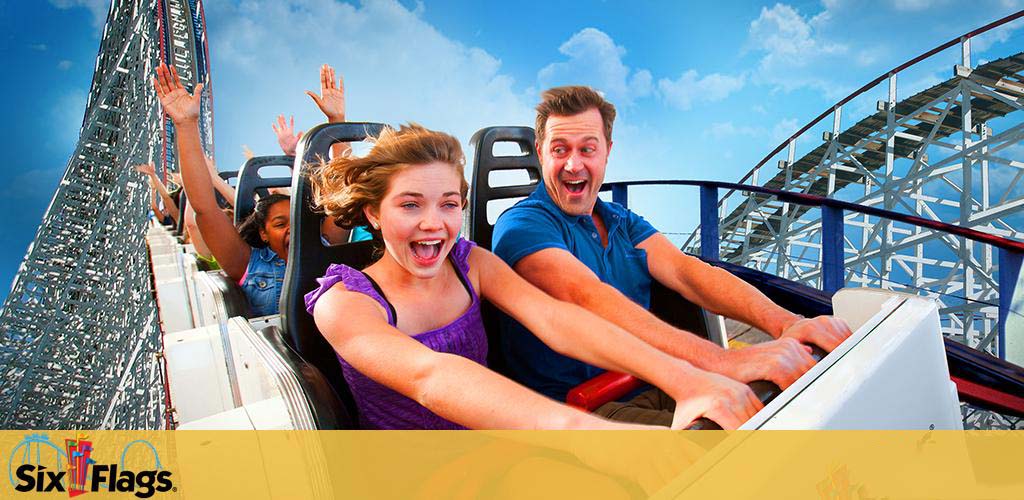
{"x":182,"y":203}
{"x":250,"y":183}
{"x":484,"y":162}
{"x":483,"y":191}
{"x":308,"y":258}
{"x":227,"y":175}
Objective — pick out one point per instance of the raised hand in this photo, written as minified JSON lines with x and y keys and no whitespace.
{"x":147,"y":169}
{"x":331,"y":99}
{"x":286,"y":136}
{"x":178,"y":104}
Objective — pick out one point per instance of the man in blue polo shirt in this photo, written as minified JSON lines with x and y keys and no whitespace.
{"x":603,"y":257}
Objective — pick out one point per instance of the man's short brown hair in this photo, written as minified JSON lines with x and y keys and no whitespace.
{"x":573,"y":100}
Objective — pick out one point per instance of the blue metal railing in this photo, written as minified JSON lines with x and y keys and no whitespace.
{"x":833,"y":269}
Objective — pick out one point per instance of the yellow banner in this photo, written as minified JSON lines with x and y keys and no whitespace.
{"x":544,"y":464}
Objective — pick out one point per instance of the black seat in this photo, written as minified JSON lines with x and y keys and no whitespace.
{"x":665,"y":303}
{"x":308,"y":258}
{"x":227,"y":175}
{"x":250,"y":183}
{"x":483,"y":191}
{"x":484,"y":162}
{"x":179,"y":230}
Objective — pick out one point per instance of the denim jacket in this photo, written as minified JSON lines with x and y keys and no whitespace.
{"x":263,"y":280}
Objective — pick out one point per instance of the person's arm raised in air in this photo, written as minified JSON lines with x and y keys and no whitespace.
{"x":169,"y":205}
{"x":231,"y":252}
{"x":573,"y":331}
{"x":455,"y":388}
{"x":154,"y":201}
{"x":287,"y":138}
{"x":719,"y":291}
{"x":219,"y":184}
{"x":195,"y":234}
{"x":331,"y":102}
{"x":154,"y":196}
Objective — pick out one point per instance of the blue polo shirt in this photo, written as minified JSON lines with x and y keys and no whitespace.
{"x":535,"y":224}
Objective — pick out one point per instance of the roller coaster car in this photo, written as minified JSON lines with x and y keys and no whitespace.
{"x":278,"y":372}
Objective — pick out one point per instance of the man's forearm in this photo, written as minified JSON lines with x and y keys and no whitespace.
{"x":721,"y":292}
{"x":613,"y":306}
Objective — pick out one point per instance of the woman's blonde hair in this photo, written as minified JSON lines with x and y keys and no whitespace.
{"x":345,"y":185}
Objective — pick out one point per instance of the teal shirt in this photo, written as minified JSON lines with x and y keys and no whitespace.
{"x":535,"y":224}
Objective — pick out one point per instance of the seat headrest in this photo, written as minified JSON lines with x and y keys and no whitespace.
{"x":308,"y":258}
{"x":250,"y":183}
{"x":485,"y":162}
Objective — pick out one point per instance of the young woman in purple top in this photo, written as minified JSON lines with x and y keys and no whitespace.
{"x":407,"y":329}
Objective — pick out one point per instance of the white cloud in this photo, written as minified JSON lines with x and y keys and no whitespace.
{"x":98,"y":8}
{"x":67,"y":112}
{"x":728,"y":130}
{"x":396,"y":66}
{"x":785,"y":128}
{"x":792,"y":51}
{"x":690,"y":88}
{"x":913,"y":5}
{"x":779,"y":132}
{"x":996,"y":36}
{"x":595,"y":60}
{"x":64,"y":65}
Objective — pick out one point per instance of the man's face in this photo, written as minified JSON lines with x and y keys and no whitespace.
{"x":573,"y":157}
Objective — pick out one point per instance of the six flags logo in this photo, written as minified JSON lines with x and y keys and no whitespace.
{"x":83,"y":474}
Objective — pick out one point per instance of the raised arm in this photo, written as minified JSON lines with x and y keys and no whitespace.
{"x":331,"y":102}
{"x":154,"y":203}
{"x":449,"y":385}
{"x":231,"y":252}
{"x":573,"y":331}
{"x":287,"y":138}
{"x":196,"y":235}
{"x":717,"y":290}
{"x":154,"y":181}
{"x":219,"y":184}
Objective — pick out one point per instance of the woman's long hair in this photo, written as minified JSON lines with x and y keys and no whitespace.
{"x":344,"y":186}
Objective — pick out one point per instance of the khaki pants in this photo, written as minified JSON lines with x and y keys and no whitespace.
{"x":652,"y":407}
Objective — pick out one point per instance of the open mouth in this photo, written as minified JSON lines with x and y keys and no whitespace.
{"x":426,"y":251}
{"x":576,"y":186}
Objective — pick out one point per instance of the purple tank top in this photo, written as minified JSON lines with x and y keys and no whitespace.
{"x":380,"y":407}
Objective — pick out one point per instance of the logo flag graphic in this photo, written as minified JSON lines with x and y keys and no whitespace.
{"x":79,"y":459}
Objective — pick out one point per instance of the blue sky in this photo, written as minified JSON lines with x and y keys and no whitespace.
{"x":704,"y":90}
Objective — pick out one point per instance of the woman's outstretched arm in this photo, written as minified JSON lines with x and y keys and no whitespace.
{"x":455,"y":388}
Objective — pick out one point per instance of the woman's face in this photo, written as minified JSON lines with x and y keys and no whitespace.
{"x":276,"y":231}
{"x":420,"y":216}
